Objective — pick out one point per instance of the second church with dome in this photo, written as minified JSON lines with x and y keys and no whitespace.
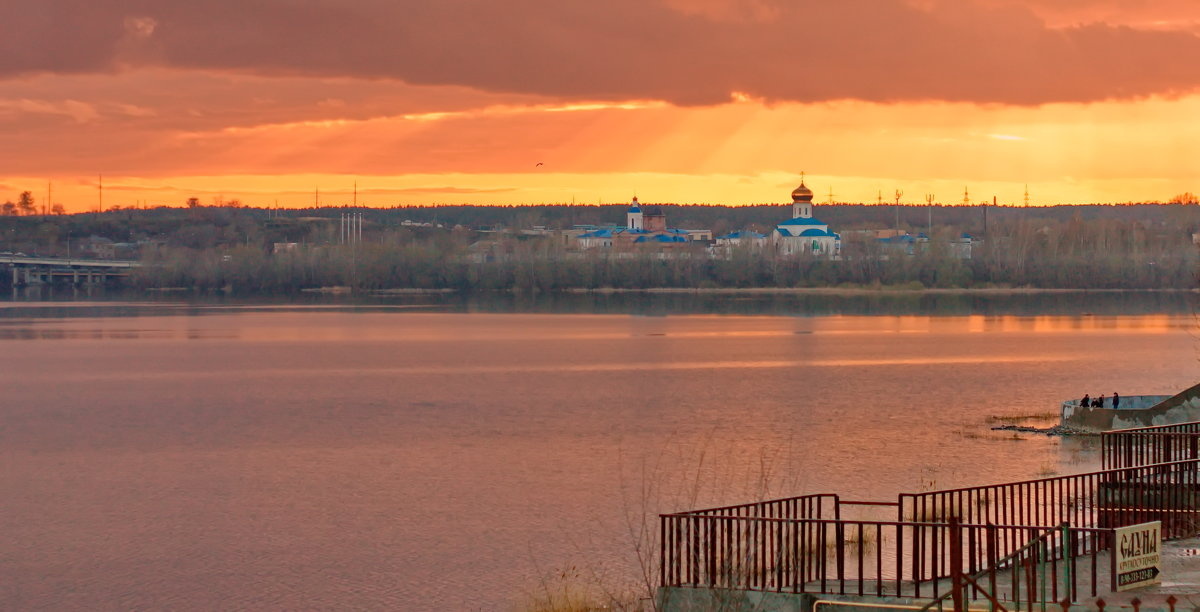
{"x":804,"y":233}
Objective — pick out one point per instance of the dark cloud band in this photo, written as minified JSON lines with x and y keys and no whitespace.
{"x":797,"y":50}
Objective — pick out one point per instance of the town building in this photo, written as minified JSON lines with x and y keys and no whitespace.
{"x":644,"y":226}
{"x":804,"y":233}
{"x":742,"y":238}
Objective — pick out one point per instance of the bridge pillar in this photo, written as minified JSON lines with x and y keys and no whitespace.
{"x":74,"y":277}
{"x":15,"y":279}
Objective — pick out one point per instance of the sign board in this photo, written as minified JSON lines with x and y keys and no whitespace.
{"x":1137,"y":558}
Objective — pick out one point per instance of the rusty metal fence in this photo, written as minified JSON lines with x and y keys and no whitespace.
{"x":1147,"y":445}
{"x":1167,"y":492}
{"x":830,"y":556}
{"x":806,"y":545}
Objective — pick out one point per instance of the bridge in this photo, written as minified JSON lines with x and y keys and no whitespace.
{"x":27,"y":270}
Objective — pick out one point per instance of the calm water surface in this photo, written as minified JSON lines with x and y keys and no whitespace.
{"x":325,"y":456}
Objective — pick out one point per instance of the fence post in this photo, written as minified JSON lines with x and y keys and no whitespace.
{"x":1112,"y":558}
{"x":1041,"y":552}
{"x":956,"y":571}
{"x":1068,"y":561}
{"x":840,"y":534}
{"x":662,"y":550}
{"x":991,"y":553}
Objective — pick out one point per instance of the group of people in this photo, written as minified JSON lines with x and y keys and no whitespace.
{"x":1087,"y":401}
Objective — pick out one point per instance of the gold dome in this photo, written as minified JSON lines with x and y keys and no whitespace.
{"x":802,"y":194}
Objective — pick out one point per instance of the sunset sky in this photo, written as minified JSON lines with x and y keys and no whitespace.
{"x":714,"y":101}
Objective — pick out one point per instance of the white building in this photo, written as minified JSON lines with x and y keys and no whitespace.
{"x":804,"y":233}
{"x":633,"y":217}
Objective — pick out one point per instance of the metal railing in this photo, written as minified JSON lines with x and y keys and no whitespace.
{"x":1033,"y":566}
{"x":806,"y":545}
{"x":1167,"y":492}
{"x":1146,"y":445}
{"x":830,"y":556}
{"x":817,"y":506}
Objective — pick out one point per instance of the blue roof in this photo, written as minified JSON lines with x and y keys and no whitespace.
{"x":661,"y":238}
{"x":743,"y":234}
{"x":802,"y":221}
{"x":813,"y":231}
{"x":968,"y":236}
{"x":598,"y":234}
{"x":634,"y":208}
{"x":904,"y":238}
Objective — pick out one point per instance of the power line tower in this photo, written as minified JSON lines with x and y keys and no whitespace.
{"x":1026,"y":195}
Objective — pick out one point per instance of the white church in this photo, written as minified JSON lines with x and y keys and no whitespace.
{"x":803,"y":233}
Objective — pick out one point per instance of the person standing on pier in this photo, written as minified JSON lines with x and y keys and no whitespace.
{"x":1116,"y":401}
{"x":1086,"y":402}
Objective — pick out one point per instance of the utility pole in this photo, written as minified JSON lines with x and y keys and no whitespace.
{"x":100,"y":186}
{"x":1026,"y":195}
{"x":898,"y":194}
{"x":929,"y":208}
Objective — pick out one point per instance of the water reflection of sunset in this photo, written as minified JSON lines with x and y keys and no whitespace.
{"x":473,"y":435}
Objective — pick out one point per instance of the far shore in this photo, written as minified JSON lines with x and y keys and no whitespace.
{"x":870,"y":290}
{"x":838,"y":291}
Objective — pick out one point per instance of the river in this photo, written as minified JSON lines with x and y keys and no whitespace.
{"x":439,"y":454}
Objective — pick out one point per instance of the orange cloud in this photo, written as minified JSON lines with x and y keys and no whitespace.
{"x":697,"y":101}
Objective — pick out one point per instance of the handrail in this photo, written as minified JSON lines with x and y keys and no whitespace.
{"x":1154,"y":428}
{"x":1011,"y":558}
{"x":1055,"y":478}
{"x":781,"y":500}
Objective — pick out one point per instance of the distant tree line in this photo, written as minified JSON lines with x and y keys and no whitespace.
{"x":231,"y":246}
{"x":1079,"y":254}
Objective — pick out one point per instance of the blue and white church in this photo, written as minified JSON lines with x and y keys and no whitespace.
{"x":803,"y":233}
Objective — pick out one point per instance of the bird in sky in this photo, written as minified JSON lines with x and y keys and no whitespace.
{"x":538,"y":164}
